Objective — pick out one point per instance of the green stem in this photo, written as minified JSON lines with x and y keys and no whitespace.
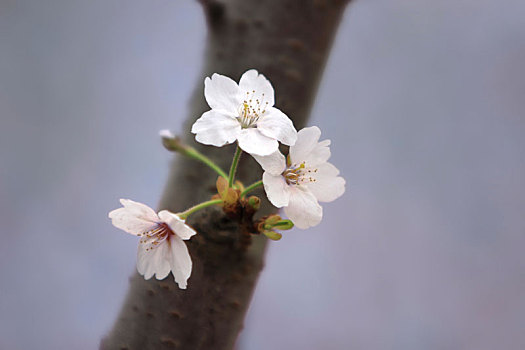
{"x":193,"y":153}
{"x":250,"y":188}
{"x":233,"y":168}
{"x":197,"y":207}
{"x":175,"y":145}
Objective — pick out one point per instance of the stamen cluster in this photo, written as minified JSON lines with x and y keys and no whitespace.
{"x":249,"y":113}
{"x":298,"y":174}
{"x":155,"y":236}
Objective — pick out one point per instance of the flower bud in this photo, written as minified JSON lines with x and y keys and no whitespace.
{"x":272,"y":220}
{"x":166,"y":134}
{"x":274,"y":236}
{"x":170,"y":142}
{"x":284,"y":225}
{"x":254,"y":202}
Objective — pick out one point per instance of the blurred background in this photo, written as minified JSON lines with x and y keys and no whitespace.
{"x":423,"y":101}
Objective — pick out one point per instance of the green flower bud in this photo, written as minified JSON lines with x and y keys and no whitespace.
{"x":272,"y":220}
{"x":284,"y":225}
{"x":274,"y":236}
{"x":254,"y":202}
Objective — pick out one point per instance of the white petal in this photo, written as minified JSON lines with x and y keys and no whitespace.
{"x":252,"y":80}
{"x":123,"y":219}
{"x":276,"y":189}
{"x":155,"y":261}
{"x":303,"y":208}
{"x":216,"y":129}
{"x":253,"y":142}
{"x":319,"y":154}
{"x":325,"y":171}
{"x":307,"y":148}
{"x":275,"y":163}
{"x":166,"y":134}
{"x":134,"y":217}
{"x":176,"y":224}
{"x":180,"y":261}
{"x":306,"y":140}
{"x":277,"y":125}
{"x":222,"y":94}
{"x":139,"y":209}
{"x":327,"y":185}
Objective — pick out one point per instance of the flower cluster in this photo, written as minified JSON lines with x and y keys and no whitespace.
{"x":243,"y":113}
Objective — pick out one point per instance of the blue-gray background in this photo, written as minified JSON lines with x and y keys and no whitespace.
{"x":423,"y":100}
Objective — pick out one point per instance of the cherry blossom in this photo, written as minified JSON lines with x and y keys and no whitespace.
{"x":245,"y":113}
{"x":161,"y":247}
{"x":298,"y":183}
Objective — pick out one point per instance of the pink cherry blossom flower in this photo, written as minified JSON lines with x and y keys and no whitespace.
{"x":161,"y":247}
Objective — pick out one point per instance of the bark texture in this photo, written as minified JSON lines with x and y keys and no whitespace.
{"x":288,"y":41}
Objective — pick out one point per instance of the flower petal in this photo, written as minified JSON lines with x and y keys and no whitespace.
{"x":154,"y":261}
{"x":140,"y":210}
{"x":166,"y":134}
{"x":214,"y":128}
{"x":303,"y":208}
{"x":306,"y":140}
{"x":253,"y":81}
{"x":307,"y":148}
{"x":180,"y":261}
{"x":319,"y":154}
{"x":123,"y":219}
{"x":176,"y":224}
{"x":274,"y":163}
{"x":253,"y":142}
{"x":327,"y":185}
{"x":277,"y":125}
{"x":134,"y":217}
{"x":222,"y":94}
{"x":276,"y":189}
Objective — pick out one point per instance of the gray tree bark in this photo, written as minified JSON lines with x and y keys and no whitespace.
{"x":288,"y":41}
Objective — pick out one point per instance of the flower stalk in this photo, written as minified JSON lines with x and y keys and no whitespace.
{"x":198,"y":207}
{"x":175,"y":145}
{"x":250,"y":188}
{"x":234,"y":165}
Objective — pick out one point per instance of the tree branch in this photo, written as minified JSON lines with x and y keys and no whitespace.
{"x":288,"y":41}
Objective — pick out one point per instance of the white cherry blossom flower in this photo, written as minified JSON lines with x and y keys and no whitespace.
{"x":245,"y":113}
{"x":304,"y":179}
{"x":161,"y":246}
